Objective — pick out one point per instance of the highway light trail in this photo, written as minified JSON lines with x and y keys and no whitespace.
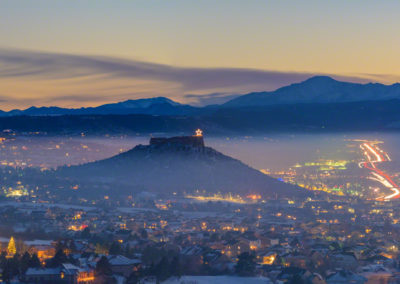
{"x":373,"y":156}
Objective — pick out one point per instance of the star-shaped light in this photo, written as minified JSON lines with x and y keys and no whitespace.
{"x":199,"y":132}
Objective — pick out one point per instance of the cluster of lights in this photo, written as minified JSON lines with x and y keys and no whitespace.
{"x":218,"y":197}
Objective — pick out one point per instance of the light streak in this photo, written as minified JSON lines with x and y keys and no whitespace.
{"x":394,"y":195}
{"x":378,"y":175}
{"x":382,"y":180}
{"x":372,"y":150}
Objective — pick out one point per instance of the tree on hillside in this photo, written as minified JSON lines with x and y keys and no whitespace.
{"x":11,"y":249}
{"x":103,"y":267}
{"x":176,"y":267}
{"x":24,"y":262}
{"x":59,"y":258}
{"x":162,"y":269}
{"x":34,"y":261}
{"x":246,"y":264}
{"x":115,"y":248}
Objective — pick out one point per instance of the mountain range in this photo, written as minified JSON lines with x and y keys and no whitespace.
{"x":318,"y":89}
{"x":151,"y":106}
{"x":317,"y":104}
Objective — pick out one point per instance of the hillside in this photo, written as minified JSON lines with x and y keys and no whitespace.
{"x":179,"y":167}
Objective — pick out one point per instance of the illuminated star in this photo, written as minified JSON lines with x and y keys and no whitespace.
{"x":199,"y":132}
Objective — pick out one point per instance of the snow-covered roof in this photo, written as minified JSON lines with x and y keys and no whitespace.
{"x":224,"y":279}
{"x":122,"y":260}
{"x":39,"y":243}
{"x":42,"y":271}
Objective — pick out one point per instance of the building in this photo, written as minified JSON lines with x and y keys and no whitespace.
{"x":66,"y":273}
{"x":123,"y":265}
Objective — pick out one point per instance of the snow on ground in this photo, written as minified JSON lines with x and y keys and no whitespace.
{"x":217,"y":280}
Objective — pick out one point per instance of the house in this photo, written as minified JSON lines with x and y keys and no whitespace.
{"x":268,"y":258}
{"x":344,"y":261}
{"x":43,"y":248}
{"x":216,"y":260}
{"x":123,"y":265}
{"x":289,"y":273}
{"x":298,"y":260}
{"x":345,"y":277}
{"x":192,"y":257}
{"x":66,"y":273}
{"x":43,"y":251}
{"x":76,"y":275}
{"x":43,"y":275}
{"x":315,"y":278}
{"x":376,"y":273}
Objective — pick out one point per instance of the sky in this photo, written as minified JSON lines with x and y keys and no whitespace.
{"x":86,"y":53}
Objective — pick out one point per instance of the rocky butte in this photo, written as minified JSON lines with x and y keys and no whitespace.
{"x":177,"y":165}
{"x":196,"y":140}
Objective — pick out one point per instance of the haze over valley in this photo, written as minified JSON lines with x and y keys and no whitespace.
{"x":199,"y":142}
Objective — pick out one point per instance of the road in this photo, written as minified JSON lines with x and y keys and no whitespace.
{"x":373,"y":157}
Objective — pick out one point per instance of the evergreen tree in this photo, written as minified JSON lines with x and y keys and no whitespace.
{"x":115,"y":248}
{"x":60,"y":245}
{"x":11,"y":249}
{"x":101,"y":249}
{"x":150,"y":271}
{"x":127,"y":250}
{"x":246,"y":264}
{"x":58,"y":259}
{"x":86,"y":233}
{"x":21,"y":247}
{"x":24,"y":262}
{"x":162,"y":269}
{"x":103,"y":267}
{"x":133,"y":278}
{"x":151,"y":255}
{"x":3,"y":259}
{"x":15,"y":263}
{"x":34,"y":261}
{"x":296,"y":279}
{"x":11,"y":268}
{"x":72,"y":246}
{"x":143,"y":234}
{"x":176,"y":267}
{"x":7,"y":272}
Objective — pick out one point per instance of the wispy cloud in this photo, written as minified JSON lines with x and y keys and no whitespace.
{"x":115,"y":76}
{"x":210,"y":99}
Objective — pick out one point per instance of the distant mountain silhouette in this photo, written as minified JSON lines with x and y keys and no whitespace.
{"x":352,"y":116}
{"x":152,"y":106}
{"x":317,"y":104}
{"x":179,"y":165}
{"x":319,"y":89}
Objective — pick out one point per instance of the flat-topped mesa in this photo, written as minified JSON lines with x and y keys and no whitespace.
{"x":193,"y":141}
